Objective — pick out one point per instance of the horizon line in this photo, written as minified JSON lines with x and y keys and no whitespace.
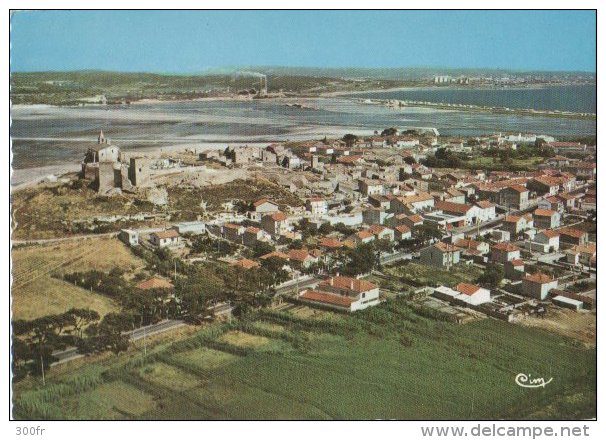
{"x":235,"y":69}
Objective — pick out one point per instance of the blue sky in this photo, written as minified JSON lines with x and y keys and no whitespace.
{"x":193,"y":41}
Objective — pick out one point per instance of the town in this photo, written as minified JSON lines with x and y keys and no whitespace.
{"x":328,"y":214}
{"x":340,"y":225}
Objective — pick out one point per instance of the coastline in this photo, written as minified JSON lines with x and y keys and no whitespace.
{"x":452,"y":87}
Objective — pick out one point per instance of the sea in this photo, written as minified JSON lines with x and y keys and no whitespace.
{"x":45,"y":135}
{"x":572,"y":98}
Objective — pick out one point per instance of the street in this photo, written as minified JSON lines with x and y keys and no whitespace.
{"x":71,"y":353}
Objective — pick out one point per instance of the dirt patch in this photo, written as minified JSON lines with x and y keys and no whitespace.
{"x":242,"y":339}
{"x":580,"y":326}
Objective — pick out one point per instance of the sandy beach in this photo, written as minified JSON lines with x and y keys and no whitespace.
{"x":22,"y":178}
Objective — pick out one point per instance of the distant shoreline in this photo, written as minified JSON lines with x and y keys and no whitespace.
{"x":450,"y":87}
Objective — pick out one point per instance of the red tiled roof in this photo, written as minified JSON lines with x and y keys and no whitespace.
{"x":259,"y":202}
{"x":348,"y":283}
{"x":445,"y":247}
{"x":485,"y":204}
{"x":467,"y":243}
{"x":571,"y":232}
{"x":403,"y":229}
{"x":421,"y":197}
{"x":253,"y":230}
{"x":155,"y":283}
{"x":504,"y":246}
{"x":539,"y":278}
{"x":415,"y":218}
{"x":298,"y":254}
{"x":544,"y":212}
{"x":376,"y":229}
{"x":279,"y":216}
{"x":518,"y":188}
{"x":276,"y":254}
{"x":459,"y":208}
{"x":330,"y":243}
{"x":232,"y":226}
{"x":512,"y":218}
{"x":517,"y":262}
{"x":246,"y":263}
{"x":348,"y":159}
{"x":327,"y":298}
{"x":550,"y":233}
{"x":316,"y":199}
{"x":565,"y":144}
{"x":170,"y":233}
{"x":467,"y":289}
{"x":363,"y":234}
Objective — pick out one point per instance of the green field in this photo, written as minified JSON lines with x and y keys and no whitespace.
{"x":411,"y":275}
{"x":389,"y":362}
{"x":489,"y":163}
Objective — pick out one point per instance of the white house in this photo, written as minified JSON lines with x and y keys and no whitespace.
{"x":463,"y":293}
{"x":538,"y":285}
{"x":412,"y":204}
{"x":129,"y":236}
{"x":473,"y":294}
{"x":486,"y":211}
{"x":193,"y":227}
{"x":343,"y":293}
{"x":548,"y":238}
{"x":317,"y":206}
{"x":169,"y":238}
{"x":440,"y":255}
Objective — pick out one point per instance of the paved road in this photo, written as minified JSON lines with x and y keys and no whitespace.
{"x":71,"y":353}
{"x":387,"y":259}
{"x":301,"y":285}
{"x":74,"y":237}
{"x":489,"y":224}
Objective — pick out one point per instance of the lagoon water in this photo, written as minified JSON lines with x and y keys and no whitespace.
{"x":44,"y":135}
{"x":572,"y":98}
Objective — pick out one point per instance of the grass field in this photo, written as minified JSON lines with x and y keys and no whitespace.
{"x":413,"y":368}
{"x":488,"y":163}
{"x":411,"y":275}
{"x":47,"y":211}
{"x":36,"y":292}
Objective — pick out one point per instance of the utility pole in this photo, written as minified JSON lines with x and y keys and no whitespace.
{"x":144,"y":341}
{"x":42,"y":365}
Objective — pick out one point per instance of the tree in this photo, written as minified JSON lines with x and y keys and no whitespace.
{"x":427,"y":232}
{"x":392,"y":131}
{"x":82,"y":318}
{"x":274,"y":266}
{"x":492,"y":276}
{"x":325,"y":228}
{"x":261,"y":248}
{"x":361,"y":259}
{"x":295,"y":244}
{"x":350,"y":139}
{"x":21,"y":355}
{"x":111,"y":332}
{"x":410,"y":160}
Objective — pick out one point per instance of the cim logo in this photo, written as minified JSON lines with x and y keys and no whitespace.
{"x":527,"y":381}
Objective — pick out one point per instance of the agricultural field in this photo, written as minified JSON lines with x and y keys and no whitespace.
{"x":37,"y":290}
{"x":391,"y":361}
